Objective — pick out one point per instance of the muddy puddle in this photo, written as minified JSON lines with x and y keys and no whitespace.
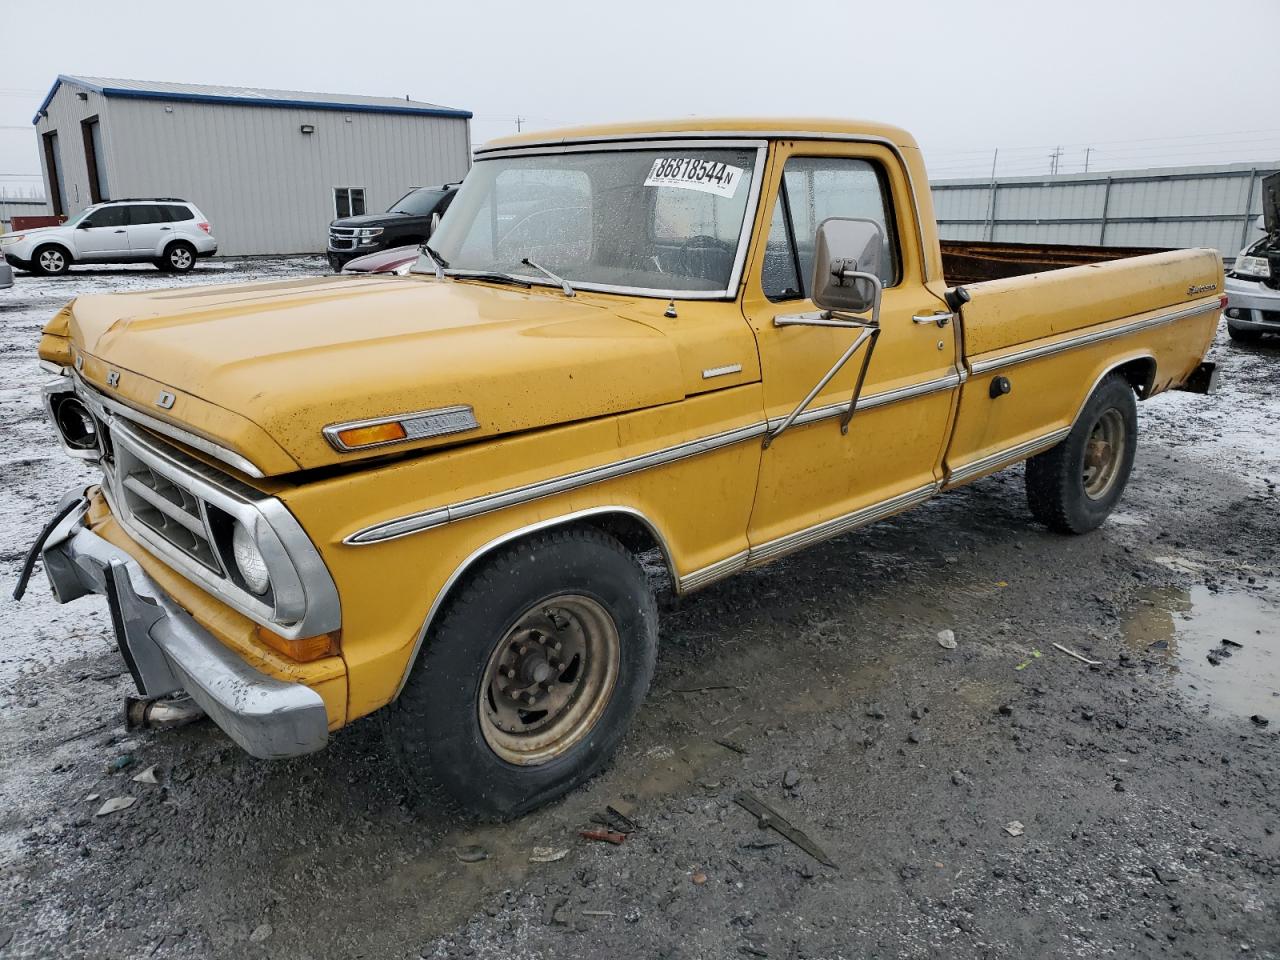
{"x":1222,"y":649}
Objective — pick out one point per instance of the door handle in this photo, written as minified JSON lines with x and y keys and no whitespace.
{"x":940,"y":317}
{"x":119,"y":231}
{"x":166,"y":228}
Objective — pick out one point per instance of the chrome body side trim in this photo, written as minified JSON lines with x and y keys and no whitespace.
{"x":696,"y":136}
{"x":991,"y":461}
{"x":872,"y":400}
{"x":713,"y":572}
{"x":91,"y":395}
{"x":438,"y":516}
{"x":418,"y":425}
{"x":166,"y":650}
{"x":508,"y":537}
{"x":1085,"y":339}
{"x":413,"y":523}
{"x":772,"y":550}
{"x":655,"y":142}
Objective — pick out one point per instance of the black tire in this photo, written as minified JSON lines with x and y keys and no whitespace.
{"x":1241,"y":335}
{"x":50,"y":260}
{"x":437,"y":728}
{"x":179,"y":257}
{"x":1058,"y":480}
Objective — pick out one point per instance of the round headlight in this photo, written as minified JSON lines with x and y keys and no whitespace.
{"x":253,"y":569}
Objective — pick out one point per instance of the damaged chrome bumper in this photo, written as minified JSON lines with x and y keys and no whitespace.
{"x":167,"y":651}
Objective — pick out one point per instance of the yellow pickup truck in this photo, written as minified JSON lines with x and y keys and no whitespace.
{"x":713,"y":342}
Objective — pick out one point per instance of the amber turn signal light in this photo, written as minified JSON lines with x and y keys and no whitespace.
{"x":303,"y":649}
{"x":368,"y":436}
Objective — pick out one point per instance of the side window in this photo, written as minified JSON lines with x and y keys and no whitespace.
{"x":813,"y":189}
{"x":348,"y":201}
{"x":176,"y":213}
{"x":115,"y":215}
{"x":145,"y":213}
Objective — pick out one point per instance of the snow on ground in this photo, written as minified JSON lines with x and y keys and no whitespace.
{"x":35,"y":473}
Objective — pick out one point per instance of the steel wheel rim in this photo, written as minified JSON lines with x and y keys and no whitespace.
{"x":180,"y":258}
{"x":51,"y":260}
{"x":538,"y":700}
{"x":1103,"y":453}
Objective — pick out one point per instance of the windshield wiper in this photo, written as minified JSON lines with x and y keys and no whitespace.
{"x":441,"y":264}
{"x":564,"y":284}
{"x":492,"y":277}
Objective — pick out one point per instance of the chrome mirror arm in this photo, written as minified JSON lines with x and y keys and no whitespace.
{"x":829,"y":318}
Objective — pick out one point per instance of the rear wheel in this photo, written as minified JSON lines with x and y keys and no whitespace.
{"x":1242,"y":335}
{"x":1074,"y":487}
{"x":527,"y":683}
{"x":51,"y":261}
{"x":178,"y":258}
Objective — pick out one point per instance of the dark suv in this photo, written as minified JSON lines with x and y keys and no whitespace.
{"x":411,"y":219}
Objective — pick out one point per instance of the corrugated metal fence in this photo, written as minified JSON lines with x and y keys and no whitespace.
{"x":19,"y":206}
{"x":1213,"y":206}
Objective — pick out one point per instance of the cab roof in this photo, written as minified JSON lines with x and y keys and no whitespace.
{"x":766,"y":128}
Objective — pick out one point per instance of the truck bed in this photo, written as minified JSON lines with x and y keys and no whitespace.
{"x":972,"y":261}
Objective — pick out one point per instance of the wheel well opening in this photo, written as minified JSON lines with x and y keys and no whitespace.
{"x":641,"y":539}
{"x":1141,"y":374}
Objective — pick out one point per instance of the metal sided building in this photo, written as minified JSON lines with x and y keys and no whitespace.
{"x":269,"y":168}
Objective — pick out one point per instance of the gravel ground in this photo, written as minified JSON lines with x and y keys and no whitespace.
{"x":1146,"y":798}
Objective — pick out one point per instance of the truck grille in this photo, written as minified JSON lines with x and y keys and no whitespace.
{"x":168,"y":510}
{"x":342,"y":238}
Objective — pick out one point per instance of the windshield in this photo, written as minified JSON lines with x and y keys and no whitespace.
{"x":656,"y":221}
{"x":417,"y":203}
{"x":77,"y":217}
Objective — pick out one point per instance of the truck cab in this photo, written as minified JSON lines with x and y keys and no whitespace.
{"x":701,"y":344}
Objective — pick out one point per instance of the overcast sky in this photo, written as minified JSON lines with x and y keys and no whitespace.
{"x":1143,"y":82}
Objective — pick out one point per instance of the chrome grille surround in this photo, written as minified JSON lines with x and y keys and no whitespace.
{"x":182,"y":511}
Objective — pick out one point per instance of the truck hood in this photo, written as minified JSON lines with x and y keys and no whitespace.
{"x":262,"y":368}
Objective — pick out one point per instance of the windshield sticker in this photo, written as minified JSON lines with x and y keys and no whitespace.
{"x":690,"y":173}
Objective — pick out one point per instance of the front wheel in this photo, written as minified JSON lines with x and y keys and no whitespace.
{"x":1073,"y":487}
{"x":51,"y":261}
{"x":528,"y":681}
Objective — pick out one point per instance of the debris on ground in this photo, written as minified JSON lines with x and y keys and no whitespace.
{"x":146,"y":776}
{"x":791,"y":779}
{"x":768,"y":818}
{"x":1260,"y":720}
{"x":470,"y":853}
{"x":615,"y":818}
{"x":1080,"y":657}
{"x":547,"y":854}
{"x":120,"y":762}
{"x":947,"y":639}
{"x":604,"y":836}
{"x":730,"y":745}
{"x":1014,"y":828}
{"x":116,"y":804}
{"x":699,"y":878}
{"x":1232,"y":643}
{"x":1035,"y":655}
{"x":260,"y":933}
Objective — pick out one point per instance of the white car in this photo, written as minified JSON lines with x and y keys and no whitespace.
{"x":170,"y":233}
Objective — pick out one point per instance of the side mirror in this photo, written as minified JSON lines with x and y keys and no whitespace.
{"x":84,"y":224}
{"x":846,"y":264}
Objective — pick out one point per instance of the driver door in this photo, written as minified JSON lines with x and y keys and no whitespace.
{"x":816,"y":480}
{"x":104,"y":232}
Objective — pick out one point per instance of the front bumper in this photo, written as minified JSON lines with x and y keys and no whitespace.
{"x":6,"y":275}
{"x":1252,"y":305}
{"x":167,"y":651}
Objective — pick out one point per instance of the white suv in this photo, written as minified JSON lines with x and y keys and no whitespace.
{"x":167,"y":232}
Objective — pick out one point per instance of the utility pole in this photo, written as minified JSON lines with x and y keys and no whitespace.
{"x":519,"y":124}
{"x":1087,"y":151}
{"x":990,"y":226}
{"x":1053,"y":160}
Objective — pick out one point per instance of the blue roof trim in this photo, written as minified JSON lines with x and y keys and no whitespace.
{"x":406,"y":110}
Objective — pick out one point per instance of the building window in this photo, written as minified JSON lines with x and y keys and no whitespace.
{"x":53,"y":172}
{"x":92,"y":132}
{"x":348,"y":201}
